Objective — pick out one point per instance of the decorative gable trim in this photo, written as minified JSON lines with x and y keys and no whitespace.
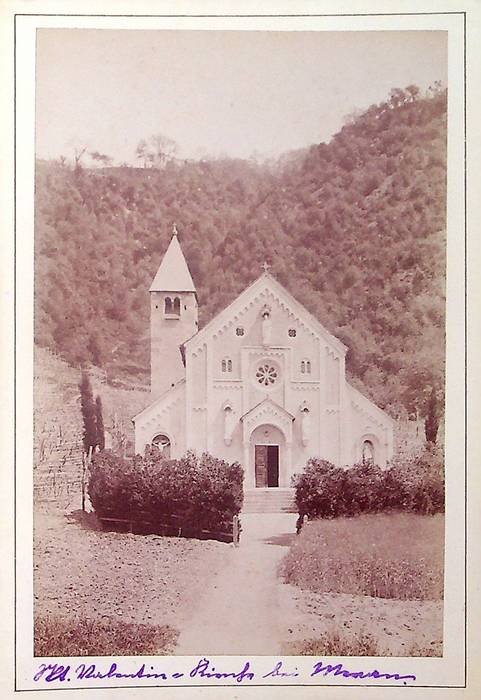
{"x":368,"y":409}
{"x":164,"y":402}
{"x":264,"y":289}
{"x":268,"y":411}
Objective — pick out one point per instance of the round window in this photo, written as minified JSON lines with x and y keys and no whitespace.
{"x":266,"y":374}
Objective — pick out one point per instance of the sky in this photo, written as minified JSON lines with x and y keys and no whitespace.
{"x":218,"y":93}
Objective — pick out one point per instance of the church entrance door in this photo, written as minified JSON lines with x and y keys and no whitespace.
{"x":267,"y":465}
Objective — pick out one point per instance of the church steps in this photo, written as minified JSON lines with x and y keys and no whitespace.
{"x":269,"y":500}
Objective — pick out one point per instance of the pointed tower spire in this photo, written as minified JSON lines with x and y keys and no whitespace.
{"x":173,"y":318}
{"x":173,"y":274}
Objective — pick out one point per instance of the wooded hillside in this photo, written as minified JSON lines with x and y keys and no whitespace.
{"x":355,"y":229}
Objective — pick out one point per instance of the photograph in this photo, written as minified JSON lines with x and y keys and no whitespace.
{"x":239,"y":363}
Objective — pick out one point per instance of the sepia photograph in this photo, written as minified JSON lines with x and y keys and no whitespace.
{"x":240,"y":262}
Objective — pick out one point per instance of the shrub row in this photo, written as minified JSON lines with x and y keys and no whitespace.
{"x":194,"y":492}
{"x":326,"y":491}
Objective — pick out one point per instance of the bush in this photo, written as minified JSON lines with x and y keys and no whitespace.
{"x":194,"y":493}
{"x":320,"y":489}
{"x":414,"y":484}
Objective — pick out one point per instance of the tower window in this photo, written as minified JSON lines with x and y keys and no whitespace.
{"x":172,"y":306}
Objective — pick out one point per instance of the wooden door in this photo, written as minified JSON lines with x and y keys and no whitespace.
{"x":261,"y":465}
{"x":273,"y":465}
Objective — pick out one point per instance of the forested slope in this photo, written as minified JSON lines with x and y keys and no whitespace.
{"x":355,"y":229}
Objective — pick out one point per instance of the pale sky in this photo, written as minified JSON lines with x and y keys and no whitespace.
{"x":218,"y":93}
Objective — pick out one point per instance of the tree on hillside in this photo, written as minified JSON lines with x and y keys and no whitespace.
{"x":94,"y":346}
{"x":78,"y":153}
{"x":101,"y":158}
{"x":431,"y":422}
{"x":156,"y":151}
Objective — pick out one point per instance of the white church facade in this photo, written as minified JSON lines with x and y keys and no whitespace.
{"x":263,"y":383}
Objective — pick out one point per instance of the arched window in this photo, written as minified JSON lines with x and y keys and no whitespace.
{"x":226,"y":364}
{"x":367,"y":452}
{"x":162,"y":443}
{"x":305,"y":367}
{"x":176,"y":306}
{"x":168,"y":305}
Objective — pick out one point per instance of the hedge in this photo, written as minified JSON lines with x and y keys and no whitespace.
{"x":416,"y":484}
{"x":200,"y":493}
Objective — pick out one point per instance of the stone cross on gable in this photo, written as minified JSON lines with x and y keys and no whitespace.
{"x":265,"y":266}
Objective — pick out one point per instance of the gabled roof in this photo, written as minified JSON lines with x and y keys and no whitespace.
{"x":169,"y":392}
{"x":173,"y":274}
{"x":267,"y":281}
{"x":368,"y":404}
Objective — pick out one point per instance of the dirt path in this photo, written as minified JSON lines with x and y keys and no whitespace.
{"x":243,"y":611}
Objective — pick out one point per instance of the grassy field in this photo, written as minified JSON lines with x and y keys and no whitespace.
{"x":395,"y":555}
{"x":61,"y":637}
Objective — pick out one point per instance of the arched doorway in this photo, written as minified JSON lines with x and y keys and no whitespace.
{"x":267,"y":446}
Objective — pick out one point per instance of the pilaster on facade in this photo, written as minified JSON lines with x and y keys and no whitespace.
{"x":188,"y":401}
{"x":345,"y":445}
{"x":209,"y":385}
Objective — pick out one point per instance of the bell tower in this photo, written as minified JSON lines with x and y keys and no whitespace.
{"x":173,"y":318}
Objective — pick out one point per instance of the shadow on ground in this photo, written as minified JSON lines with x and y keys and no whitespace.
{"x":283,"y":540}
{"x":87,"y":521}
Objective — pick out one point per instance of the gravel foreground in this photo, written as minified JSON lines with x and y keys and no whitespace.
{"x":86,"y":574}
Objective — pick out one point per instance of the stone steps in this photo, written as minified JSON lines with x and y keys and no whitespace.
{"x":269,"y":500}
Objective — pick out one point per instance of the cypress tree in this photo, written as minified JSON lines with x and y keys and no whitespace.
{"x":431,"y":422}
{"x":99,"y":423}
{"x":88,"y":413}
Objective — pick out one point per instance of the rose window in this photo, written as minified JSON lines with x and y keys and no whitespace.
{"x":266,"y":374}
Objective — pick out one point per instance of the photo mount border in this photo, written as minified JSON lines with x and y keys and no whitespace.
{"x":465,"y":320}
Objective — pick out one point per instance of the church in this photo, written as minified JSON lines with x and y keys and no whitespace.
{"x":263,"y":383}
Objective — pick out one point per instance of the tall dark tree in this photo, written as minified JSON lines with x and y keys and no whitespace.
{"x":99,"y":423}
{"x":431,"y":422}
{"x":88,"y":413}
